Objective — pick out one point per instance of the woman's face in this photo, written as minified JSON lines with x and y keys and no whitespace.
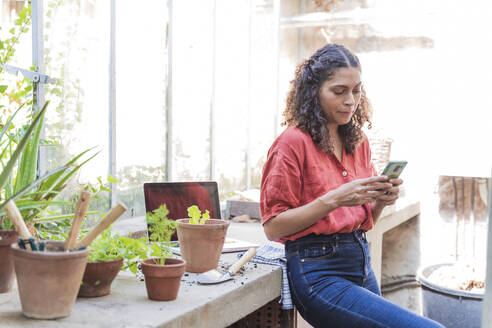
{"x":340,"y":96}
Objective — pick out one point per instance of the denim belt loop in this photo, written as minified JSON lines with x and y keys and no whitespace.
{"x":336,"y":240}
{"x":364,"y":234}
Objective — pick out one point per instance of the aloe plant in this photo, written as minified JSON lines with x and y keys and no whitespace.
{"x":7,"y":169}
{"x":18,"y":179}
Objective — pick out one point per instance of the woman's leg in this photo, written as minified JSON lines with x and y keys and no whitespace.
{"x":371,"y":284}
{"x":344,"y":304}
{"x":331,"y":286}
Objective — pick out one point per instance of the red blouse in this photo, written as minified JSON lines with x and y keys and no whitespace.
{"x":297,"y":172}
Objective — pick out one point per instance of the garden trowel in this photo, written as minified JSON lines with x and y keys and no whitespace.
{"x":214,"y":276}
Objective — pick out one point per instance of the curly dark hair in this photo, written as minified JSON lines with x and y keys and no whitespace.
{"x":303,"y":109}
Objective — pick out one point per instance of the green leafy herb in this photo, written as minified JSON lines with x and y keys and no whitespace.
{"x":196,"y":216}
{"x":160,"y":231}
{"x":160,"y":227}
{"x":160,"y":253}
{"x":110,"y":246}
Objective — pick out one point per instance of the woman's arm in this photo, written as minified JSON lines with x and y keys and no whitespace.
{"x":354,"y":193}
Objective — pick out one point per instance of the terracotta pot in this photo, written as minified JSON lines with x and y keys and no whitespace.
{"x":98,"y":277}
{"x":48,"y":281}
{"x":7,"y":274}
{"x":162,"y":281}
{"x":201,"y":244}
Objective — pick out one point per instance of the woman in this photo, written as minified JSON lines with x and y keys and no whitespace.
{"x":320,"y":193}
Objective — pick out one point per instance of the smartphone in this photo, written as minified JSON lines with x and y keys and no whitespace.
{"x":394,"y":168}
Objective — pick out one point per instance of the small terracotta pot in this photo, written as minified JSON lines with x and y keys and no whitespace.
{"x":162,"y":281}
{"x":201,"y":244}
{"x":7,"y":274}
{"x":98,"y":277}
{"x":48,"y":281}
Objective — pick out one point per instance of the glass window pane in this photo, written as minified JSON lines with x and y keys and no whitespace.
{"x":15,"y":50}
{"x":192,"y":80}
{"x":263,"y":88}
{"x":141,"y":73}
{"x":76,"y":35}
{"x":231,"y":100}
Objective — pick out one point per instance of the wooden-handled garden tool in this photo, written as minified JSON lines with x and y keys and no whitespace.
{"x":112,"y":215}
{"x":80,"y":209}
{"x":214,"y":276}
{"x":15,"y":216}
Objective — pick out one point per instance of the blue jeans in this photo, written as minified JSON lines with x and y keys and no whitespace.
{"x":333,"y":285}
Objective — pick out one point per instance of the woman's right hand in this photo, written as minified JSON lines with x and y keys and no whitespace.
{"x":357,"y":192}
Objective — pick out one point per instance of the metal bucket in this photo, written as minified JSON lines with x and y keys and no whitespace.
{"x":451,"y":307}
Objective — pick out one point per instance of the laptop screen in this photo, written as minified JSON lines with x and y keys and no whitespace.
{"x":178,"y":196}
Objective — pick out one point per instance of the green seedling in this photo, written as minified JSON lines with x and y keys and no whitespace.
{"x":160,"y":231}
{"x":160,"y":227}
{"x":196,"y":216}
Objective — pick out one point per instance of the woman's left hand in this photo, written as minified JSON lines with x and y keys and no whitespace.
{"x":391,"y":195}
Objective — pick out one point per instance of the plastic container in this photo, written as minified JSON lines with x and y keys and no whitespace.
{"x":451,"y":307}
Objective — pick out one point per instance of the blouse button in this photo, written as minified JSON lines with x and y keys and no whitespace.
{"x":344,"y":173}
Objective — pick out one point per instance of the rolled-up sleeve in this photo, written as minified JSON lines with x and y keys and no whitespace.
{"x":281,"y":183}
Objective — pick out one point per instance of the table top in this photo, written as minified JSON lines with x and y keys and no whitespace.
{"x":197,"y":305}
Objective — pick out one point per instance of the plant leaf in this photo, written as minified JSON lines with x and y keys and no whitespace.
{"x":111,"y":179}
{"x":32,"y":185}
{"x":26,"y":171}
{"x":47,"y":185}
{"x":61,"y":217}
{"x":9,"y":121}
{"x":194,"y":213}
{"x":61,"y":183}
{"x":205,"y":217}
{"x":20,"y":147}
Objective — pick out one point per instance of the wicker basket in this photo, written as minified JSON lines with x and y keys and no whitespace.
{"x":268,"y":316}
{"x":381,"y":150}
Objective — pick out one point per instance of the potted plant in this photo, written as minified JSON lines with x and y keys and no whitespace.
{"x":201,"y":240}
{"x":109,"y":254}
{"x":7,"y":233}
{"x":7,"y":237}
{"x":162,"y":273}
{"x":48,"y":281}
{"x":19,"y":182}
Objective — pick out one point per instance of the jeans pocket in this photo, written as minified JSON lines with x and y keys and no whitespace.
{"x":319,"y":253}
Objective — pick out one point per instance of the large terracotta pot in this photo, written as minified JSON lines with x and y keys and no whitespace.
{"x":7,"y":274}
{"x":98,"y":277}
{"x":48,"y":281}
{"x":162,"y":281}
{"x":201,"y":244}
